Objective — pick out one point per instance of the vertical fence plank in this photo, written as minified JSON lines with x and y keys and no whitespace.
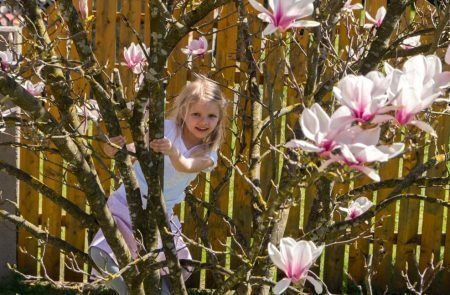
{"x":51,"y":213}
{"x":219,"y":193}
{"x":433,"y":213}
{"x":29,"y":208}
{"x":334,"y":255}
{"x":297,"y":63}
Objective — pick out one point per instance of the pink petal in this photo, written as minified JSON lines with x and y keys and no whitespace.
{"x":258,"y":6}
{"x":304,"y":145}
{"x":447,"y":55}
{"x":424,"y":126}
{"x":368,"y":171}
{"x":281,"y":286}
{"x":276,"y":257}
{"x":269,"y":29}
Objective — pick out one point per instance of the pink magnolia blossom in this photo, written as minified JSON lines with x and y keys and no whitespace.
{"x":197,"y":47}
{"x":447,"y":55}
{"x":34,"y":89}
{"x":356,"y":155}
{"x":365,"y":97}
{"x":349,"y":7}
{"x":379,"y":17}
{"x":295,"y":259}
{"x":358,"y":147}
{"x":356,"y":208}
{"x":83,"y":7}
{"x":320,"y":129}
{"x":411,"y":42}
{"x":285,"y":14}
{"x":134,"y":58}
{"x":422,"y":82}
{"x":6,"y":60}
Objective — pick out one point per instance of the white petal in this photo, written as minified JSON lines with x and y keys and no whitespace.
{"x":304,"y":145}
{"x":281,"y":286}
{"x":447,"y":56}
{"x":276,"y":257}
{"x":269,"y":29}
{"x":258,"y":6}
{"x":305,"y":24}
{"x":392,"y":150}
{"x":372,"y":173}
{"x":317,"y":285}
{"x":424,"y":126}
{"x":310,"y":124}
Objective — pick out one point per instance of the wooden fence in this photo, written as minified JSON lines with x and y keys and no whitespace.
{"x":405,"y":231}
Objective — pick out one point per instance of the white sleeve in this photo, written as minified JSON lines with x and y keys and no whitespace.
{"x":213,"y":156}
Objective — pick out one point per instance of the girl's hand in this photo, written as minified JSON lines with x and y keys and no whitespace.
{"x":109,"y":149}
{"x":164,"y":146}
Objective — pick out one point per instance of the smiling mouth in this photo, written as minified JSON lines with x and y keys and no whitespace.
{"x":202,"y":129}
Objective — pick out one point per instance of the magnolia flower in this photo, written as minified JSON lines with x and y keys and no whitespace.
{"x":6,"y":60}
{"x":196,"y":47}
{"x":285,"y":14}
{"x":34,"y":89}
{"x":365,"y":99}
{"x":358,"y":207}
{"x":411,"y":42}
{"x":89,"y":110}
{"x":356,"y":155}
{"x":447,"y":55}
{"x":381,"y":13}
{"x":135,"y":58}
{"x":355,"y":55}
{"x":319,"y":128}
{"x":295,"y":259}
{"x":421,"y":83}
{"x":83,"y":7}
{"x":349,"y":7}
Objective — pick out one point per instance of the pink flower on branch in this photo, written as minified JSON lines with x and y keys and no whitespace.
{"x":379,"y":17}
{"x":349,"y":7}
{"x":356,"y":208}
{"x":6,"y":60}
{"x":365,"y":97}
{"x":356,"y":155}
{"x":421,"y":83}
{"x":83,"y":7}
{"x":410,"y":43}
{"x":197,"y":47}
{"x":320,"y":129}
{"x":34,"y":89}
{"x":285,"y":14}
{"x":295,"y":259}
{"x":134,"y":58}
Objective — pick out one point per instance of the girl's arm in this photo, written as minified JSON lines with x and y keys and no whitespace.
{"x":180,"y":162}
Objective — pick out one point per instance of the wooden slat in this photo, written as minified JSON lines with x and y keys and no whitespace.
{"x":297,"y":61}
{"x":334,"y":255}
{"x":51,"y":213}
{"x":29,"y":209}
{"x":433,"y":213}
{"x":105,"y":51}
{"x":408,"y":220}
{"x":384,"y":231}
{"x":225,"y":57}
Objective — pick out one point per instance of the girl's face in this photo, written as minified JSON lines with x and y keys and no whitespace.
{"x":200,"y":120}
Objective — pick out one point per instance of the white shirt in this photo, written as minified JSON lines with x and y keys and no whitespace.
{"x":175,"y":182}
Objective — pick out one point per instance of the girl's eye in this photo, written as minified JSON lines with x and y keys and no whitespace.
{"x":212,"y":116}
{"x":196,"y":114}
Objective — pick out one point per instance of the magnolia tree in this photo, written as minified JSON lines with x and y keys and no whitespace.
{"x":383,"y":82}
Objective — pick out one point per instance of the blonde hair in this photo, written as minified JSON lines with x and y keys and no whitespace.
{"x":202,"y":89}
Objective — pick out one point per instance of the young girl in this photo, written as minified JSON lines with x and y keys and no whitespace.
{"x":192,"y":136}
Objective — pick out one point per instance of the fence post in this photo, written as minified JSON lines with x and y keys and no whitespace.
{"x":9,"y":185}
